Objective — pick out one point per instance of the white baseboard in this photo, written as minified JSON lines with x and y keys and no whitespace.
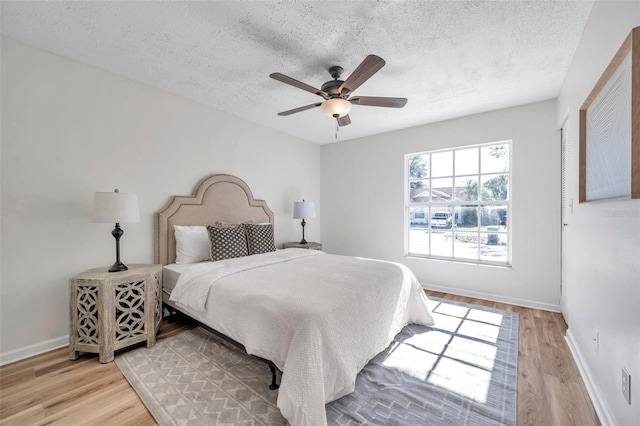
{"x":32,"y":350}
{"x":495,"y":298}
{"x":604,"y":415}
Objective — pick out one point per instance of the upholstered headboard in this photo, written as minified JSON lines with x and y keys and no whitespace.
{"x":216,"y":198}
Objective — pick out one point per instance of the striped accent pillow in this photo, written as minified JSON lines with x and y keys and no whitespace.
{"x":259,"y":238}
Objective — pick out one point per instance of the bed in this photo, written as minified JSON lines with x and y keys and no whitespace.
{"x":319,"y":318}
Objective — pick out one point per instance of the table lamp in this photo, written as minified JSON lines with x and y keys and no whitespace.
{"x":115,"y":207}
{"x":301,"y":210}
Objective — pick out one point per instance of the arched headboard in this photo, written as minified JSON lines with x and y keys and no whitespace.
{"x":216,"y":198}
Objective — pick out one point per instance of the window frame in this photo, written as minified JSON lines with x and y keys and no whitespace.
{"x":453,"y":204}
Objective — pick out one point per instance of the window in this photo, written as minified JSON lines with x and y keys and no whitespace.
{"x":458,"y":204}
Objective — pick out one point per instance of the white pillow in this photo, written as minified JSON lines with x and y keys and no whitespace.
{"x":192,"y":244}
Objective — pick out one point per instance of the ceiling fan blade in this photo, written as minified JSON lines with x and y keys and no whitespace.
{"x":300,"y":109}
{"x":365,"y":70}
{"x":300,"y":85}
{"x":379,"y":101}
{"x":344,"y":120}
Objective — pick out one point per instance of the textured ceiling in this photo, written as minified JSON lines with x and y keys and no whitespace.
{"x":449,"y":58}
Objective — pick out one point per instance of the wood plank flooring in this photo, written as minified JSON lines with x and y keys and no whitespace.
{"x":49,"y":389}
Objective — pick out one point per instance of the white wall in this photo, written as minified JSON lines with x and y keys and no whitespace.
{"x":602,"y":265}
{"x":363,"y":195}
{"x":69,"y":130}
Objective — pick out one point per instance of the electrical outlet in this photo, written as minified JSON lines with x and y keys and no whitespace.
{"x":626,"y":385}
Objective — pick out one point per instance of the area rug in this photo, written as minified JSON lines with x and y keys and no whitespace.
{"x":461,"y":371}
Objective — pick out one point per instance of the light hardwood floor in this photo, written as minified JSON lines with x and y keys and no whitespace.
{"x":51,"y":389}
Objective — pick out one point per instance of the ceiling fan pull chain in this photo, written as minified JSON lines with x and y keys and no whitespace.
{"x":337,"y":128}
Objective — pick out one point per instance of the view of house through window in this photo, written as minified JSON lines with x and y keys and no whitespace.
{"x":458,"y":203}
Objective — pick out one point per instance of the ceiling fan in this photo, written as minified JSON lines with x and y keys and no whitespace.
{"x":336,"y":93}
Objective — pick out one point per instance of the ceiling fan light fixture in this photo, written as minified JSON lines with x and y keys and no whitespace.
{"x":336,"y":107}
{"x":335,"y":93}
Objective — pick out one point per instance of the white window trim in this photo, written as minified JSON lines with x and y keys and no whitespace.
{"x":509,"y":202}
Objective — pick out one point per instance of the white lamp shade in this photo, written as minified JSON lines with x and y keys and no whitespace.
{"x":115,"y":207}
{"x":336,"y":107}
{"x":304,"y":210}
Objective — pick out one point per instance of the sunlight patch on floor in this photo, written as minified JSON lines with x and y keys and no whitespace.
{"x":446,"y":322}
{"x":452,"y":310}
{"x":463,"y":379}
{"x":434,"y":341}
{"x":458,"y":353}
{"x":411,"y":361}
{"x":472,"y":352}
{"x":484,"y":316}
{"x":478,"y":330}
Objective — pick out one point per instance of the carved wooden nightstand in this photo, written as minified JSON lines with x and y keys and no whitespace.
{"x":113,"y":310}
{"x":310,"y":245}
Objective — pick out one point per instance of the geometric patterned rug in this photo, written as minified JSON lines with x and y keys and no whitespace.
{"x":461,"y":371}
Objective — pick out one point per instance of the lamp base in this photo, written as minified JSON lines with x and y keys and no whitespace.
{"x":118,"y":267}
{"x":303,"y":241}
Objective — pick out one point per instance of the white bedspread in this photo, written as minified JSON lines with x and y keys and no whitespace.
{"x":320,"y":318}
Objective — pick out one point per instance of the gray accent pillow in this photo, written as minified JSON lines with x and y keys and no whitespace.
{"x":259,"y":238}
{"x":227,"y":242}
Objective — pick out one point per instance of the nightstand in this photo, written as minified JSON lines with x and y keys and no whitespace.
{"x":310,"y":245}
{"x":113,"y":310}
